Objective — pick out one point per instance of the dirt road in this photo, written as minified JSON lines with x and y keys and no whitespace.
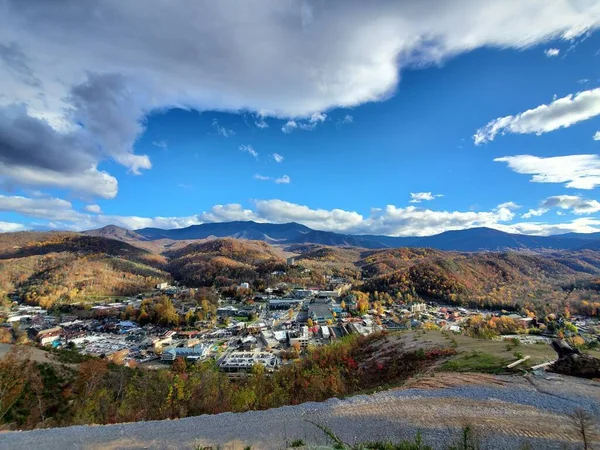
{"x":506,"y":412}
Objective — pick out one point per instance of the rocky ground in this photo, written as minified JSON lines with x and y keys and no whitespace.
{"x":505,"y":411}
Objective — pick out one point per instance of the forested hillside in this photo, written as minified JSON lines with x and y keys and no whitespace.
{"x":52,"y":268}
{"x":222,"y":262}
{"x":56,"y":267}
{"x":542,"y":283}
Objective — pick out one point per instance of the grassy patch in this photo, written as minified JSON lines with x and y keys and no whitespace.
{"x":69,"y":356}
{"x":475,"y":362}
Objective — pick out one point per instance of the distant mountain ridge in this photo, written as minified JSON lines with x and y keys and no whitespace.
{"x":469,"y":240}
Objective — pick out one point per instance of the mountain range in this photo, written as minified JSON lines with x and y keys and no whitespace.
{"x":469,"y":240}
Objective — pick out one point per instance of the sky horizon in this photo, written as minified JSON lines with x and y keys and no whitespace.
{"x":388,"y":118}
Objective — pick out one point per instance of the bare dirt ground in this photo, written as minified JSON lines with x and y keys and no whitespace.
{"x":34,"y":353}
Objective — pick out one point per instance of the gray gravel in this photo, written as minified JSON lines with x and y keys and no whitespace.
{"x":382,"y":419}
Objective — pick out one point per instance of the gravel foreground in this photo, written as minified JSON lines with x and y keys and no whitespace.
{"x":505,"y":411}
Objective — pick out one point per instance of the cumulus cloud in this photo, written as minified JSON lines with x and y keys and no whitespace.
{"x":306,"y":125}
{"x":550,"y":52}
{"x":279,"y":211}
{"x":574,"y":203}
{"x":289,"y":126}
{"x":576,"y":171}
{"x":95,"y":209}
{"x":418,"y":197}
{"x":278,"y":158}
{"x":261,"y":177}
{"x":390,"y":220}
{"x":93,"y":74}
{"x":249,"y":149}
{"x":596,"y":136}
{"x":34,"y":154}
{"x":580,"y":225}
{"x":509,"y":205}
{"x":561,"y":113}
{"x":10,"y":227}
{"x":44,"y":208}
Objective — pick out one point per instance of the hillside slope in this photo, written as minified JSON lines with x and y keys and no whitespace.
{"x":492,"y":280}
{"x":223,"y":262}
{"x":53,"y":268}
{"x":507,"y":413}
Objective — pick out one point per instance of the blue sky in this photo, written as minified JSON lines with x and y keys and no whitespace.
{"x":405,"y":143}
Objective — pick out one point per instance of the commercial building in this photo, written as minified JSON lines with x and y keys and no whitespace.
{"x":48,"y":336}
{"x":194,"y":353}
{"x":283,"y":303}
{"x":300,"y":337}
{"x":244,"y":361}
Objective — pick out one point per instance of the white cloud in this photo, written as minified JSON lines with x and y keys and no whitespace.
{"x":574,"y":203}
{"x":44,"y":208}
{"x":576,"y":171}
{"x":597,"y":136}
{"x":280,"y":180}
{"x":306,"y":125}
{"x":418,"y":197}
{"x":561,"y":113}
{"x":10,"y":227}
{"x":580,"y":225}
{"x":279,"y":211}
{"x":550,"y":52}
{"x":509,"y":205}
{"x":346,"y":119}
{"x":283,"y":180}
{"x":95,"y":84}
{"x":413,"y":221}
{"x":261,"y":123}
{"x":277,"y":157}
{"x":317,"y":117}
{"x":391,"y":220}
{"x":87,"y":183}
{"x":222,"y":131}
{"x":95,"y":209}
{"x":249,"y":149}
{"x":160,"y":144}
{"x":289,"y":126}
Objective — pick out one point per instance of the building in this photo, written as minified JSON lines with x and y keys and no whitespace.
{"x":302,"y":293}
{"x":48,"y":336}
{"x":227,"y":311}
{"x":194,"y":353}
{"x":165,"y":339}
{"x":245,"y":285}
{"x":417,"y":308}
{"x":291,"y":261}
{"x":244,"y":361}
{"x":298,"y":337}
{"x":283,"y":303}
{"x":329,"y":294}
{"x":269,"y":339}
{"x":162,"y":286}
{"x":320,"y":312}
